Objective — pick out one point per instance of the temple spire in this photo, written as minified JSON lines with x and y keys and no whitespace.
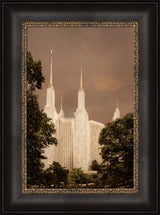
{"x":93,"y":116}
{"x":117,"y":103}
{"x":61,"y":113}
{"x":116,"y":112}
{"x":81,"y":94}
{"x":81,"y":81}
{"x":50,"y":82}
{"x":61,"y":104}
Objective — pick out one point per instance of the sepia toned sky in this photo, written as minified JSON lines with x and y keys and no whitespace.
{"x":106,"y":56}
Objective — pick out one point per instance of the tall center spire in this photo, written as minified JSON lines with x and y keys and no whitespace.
{"x":81,"y":81}
{"x":50,"y":82}
{"x":81,"y":94}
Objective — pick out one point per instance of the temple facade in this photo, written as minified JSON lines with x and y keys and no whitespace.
{"x":77,"y":136}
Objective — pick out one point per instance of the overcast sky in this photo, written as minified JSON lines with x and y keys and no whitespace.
{"x":106,"y":56}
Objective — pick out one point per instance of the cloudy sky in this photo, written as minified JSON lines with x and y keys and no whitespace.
{"x":106,"y":56}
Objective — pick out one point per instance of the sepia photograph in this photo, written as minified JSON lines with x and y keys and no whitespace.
{"x":81,"y":108}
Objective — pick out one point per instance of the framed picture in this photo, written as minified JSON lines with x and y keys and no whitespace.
{"x":80,"y":152}
{"x":80,"y":109}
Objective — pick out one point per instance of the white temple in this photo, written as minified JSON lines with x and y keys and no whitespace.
{"x":77,"y":136}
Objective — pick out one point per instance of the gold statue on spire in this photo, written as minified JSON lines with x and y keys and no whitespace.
{"x":81,"y":83}
{"x":50,"y":82}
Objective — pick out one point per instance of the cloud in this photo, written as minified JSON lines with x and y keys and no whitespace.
{"x":103,"y":83}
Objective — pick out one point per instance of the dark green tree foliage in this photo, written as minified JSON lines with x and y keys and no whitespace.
{"x":116,"y":140}
{"x":77,"y":176}
{"x":35,"y":77}
{"x":95,"y":166}
{"x":55,"y":175}
{"x":39,"y":128}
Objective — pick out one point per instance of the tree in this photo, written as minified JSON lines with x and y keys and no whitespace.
{"x":40,"y":129}
{"x":77,"y":176}
{"x":116,"y":140}
{"x":55,"y":175}
{"x":35,"y":77}
{"x":95,"y":165}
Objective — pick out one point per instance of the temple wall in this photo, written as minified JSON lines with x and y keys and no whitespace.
{"x":77,"y":144}
{"x":48,"y":152}
{"x":95,"y":129}
{"x":81,"y":143}
{"x":63,"y":152}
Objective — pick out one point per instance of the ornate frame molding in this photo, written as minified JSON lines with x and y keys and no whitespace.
{"x":78,"y":24}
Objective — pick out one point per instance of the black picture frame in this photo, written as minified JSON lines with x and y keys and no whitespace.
{"x":13,"y":13}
